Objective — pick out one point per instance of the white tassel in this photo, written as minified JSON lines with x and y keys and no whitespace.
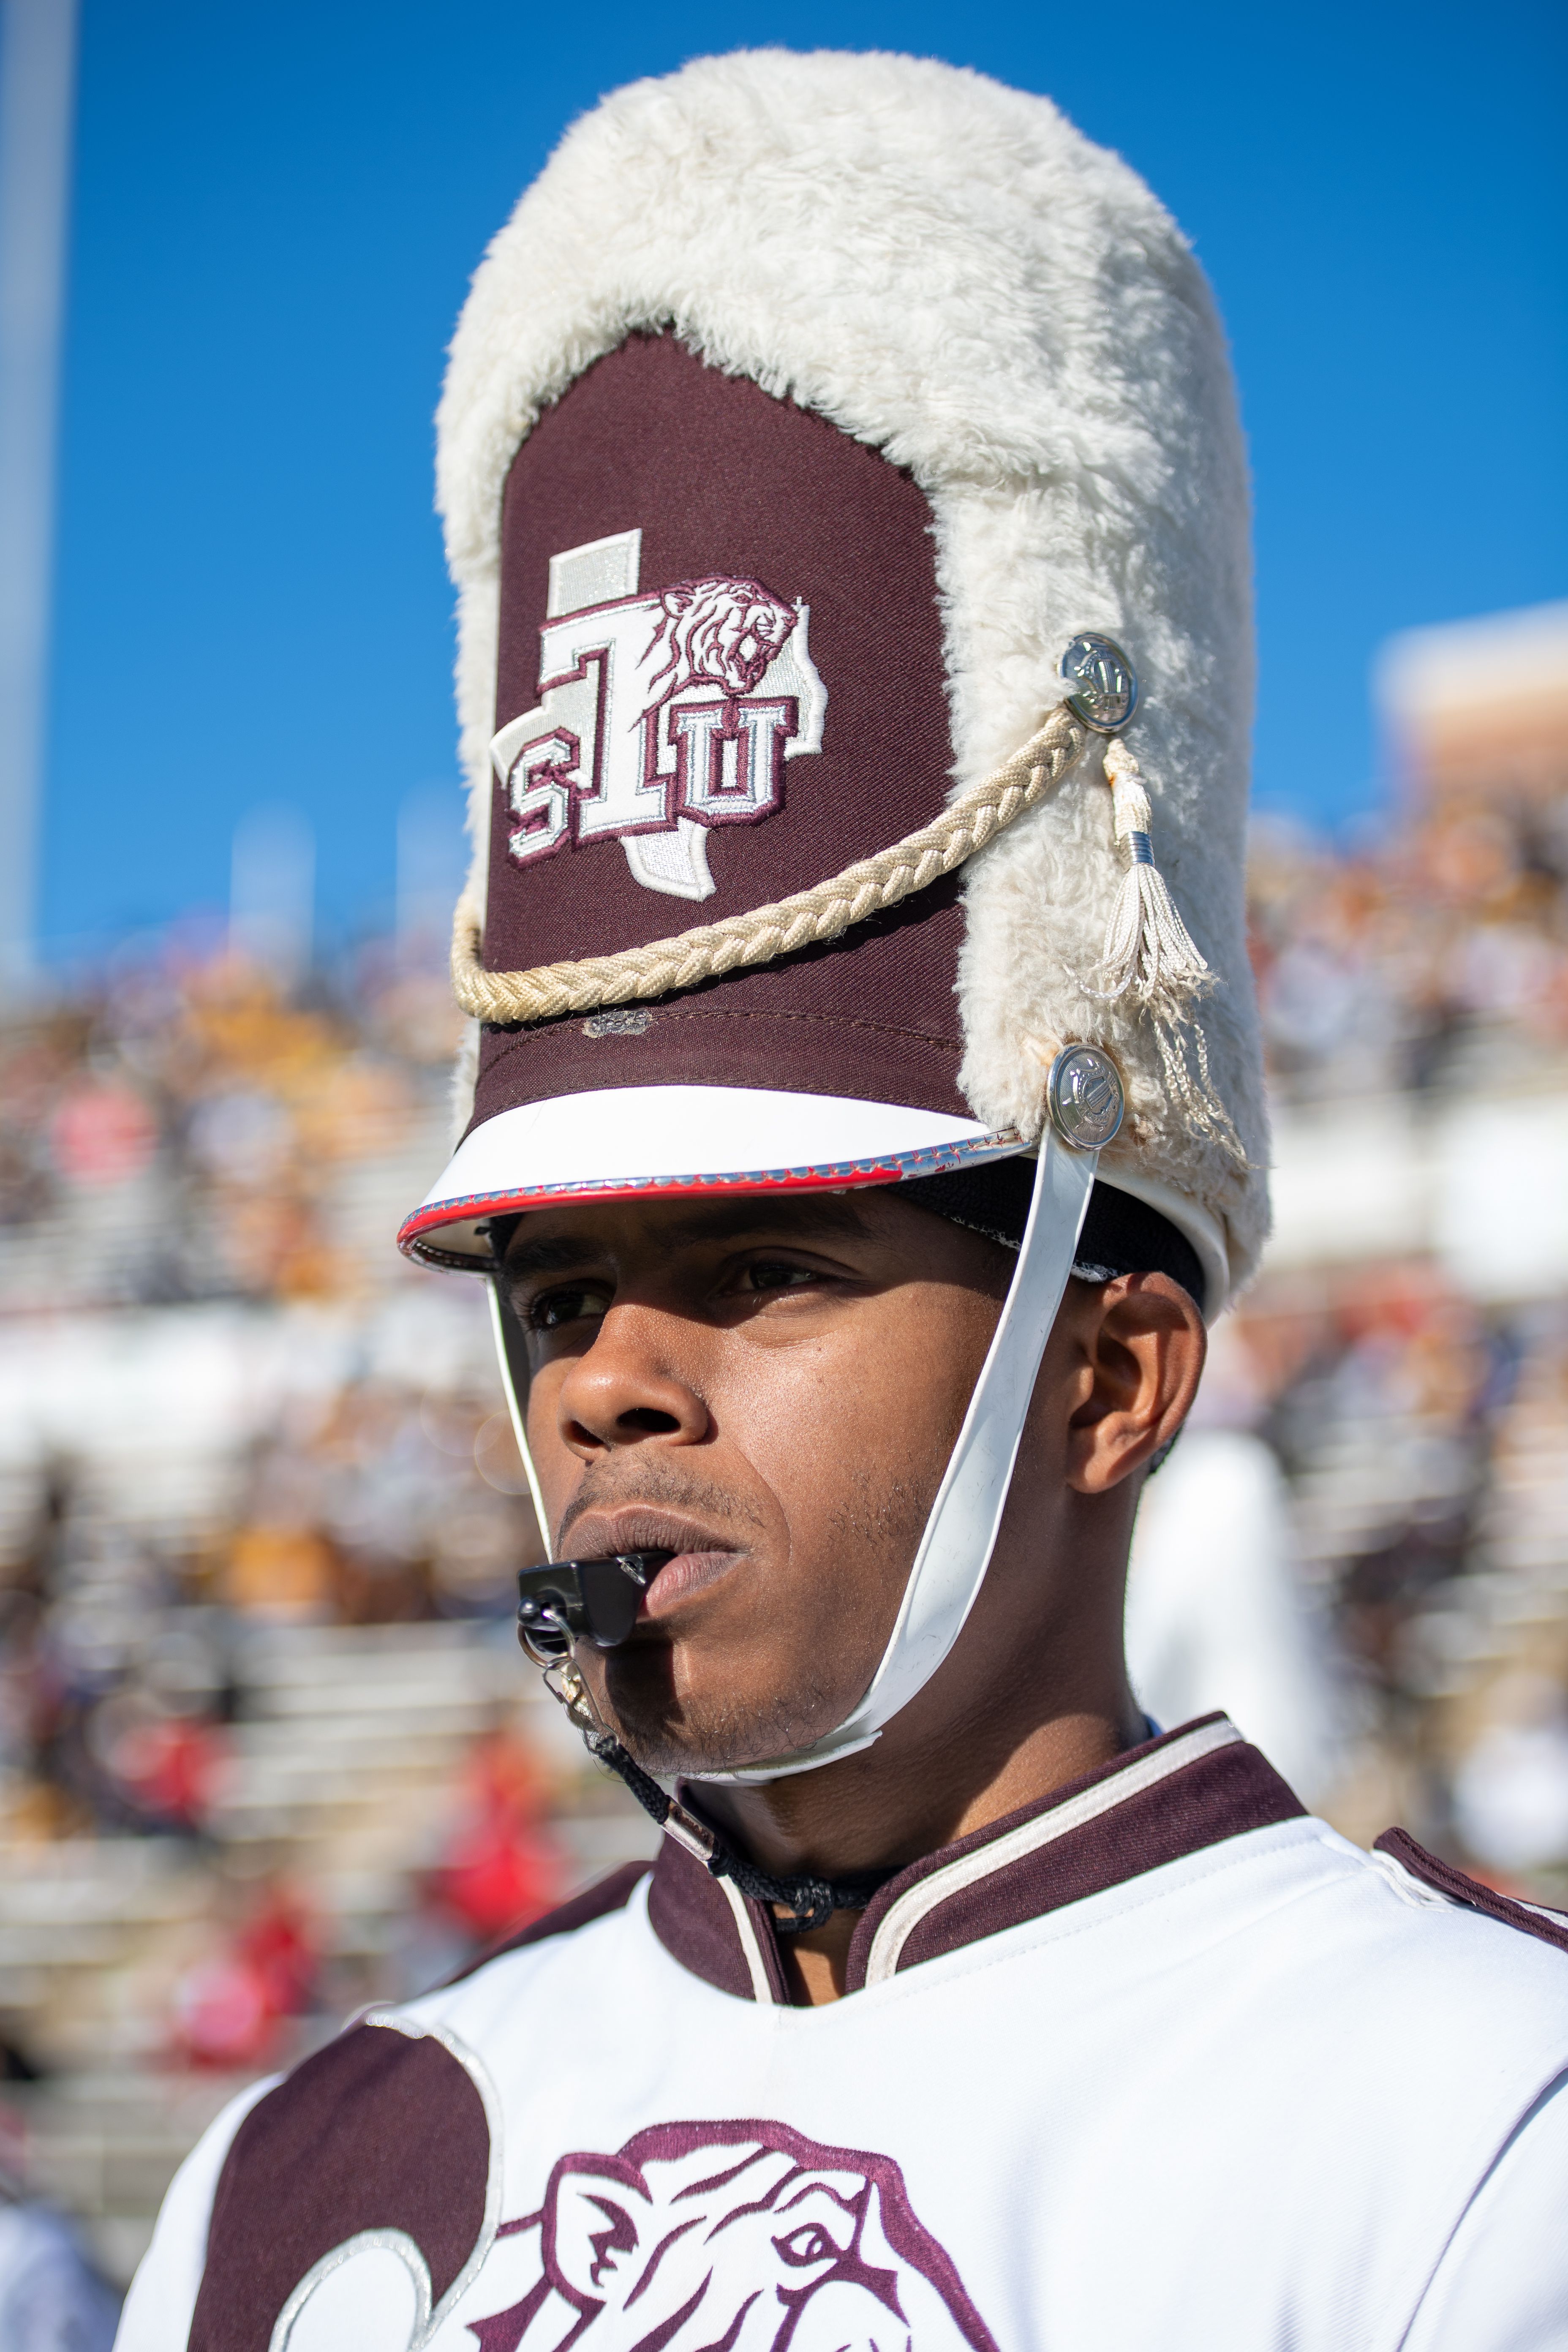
{"x":1150,"y":954}
{"x":1148,"y":947}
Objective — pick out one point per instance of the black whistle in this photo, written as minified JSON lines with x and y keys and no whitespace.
{"x":596,"y":1601}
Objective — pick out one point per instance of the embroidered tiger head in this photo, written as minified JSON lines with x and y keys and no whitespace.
{"x":720,"y":632}
{"x":747,"y":2235}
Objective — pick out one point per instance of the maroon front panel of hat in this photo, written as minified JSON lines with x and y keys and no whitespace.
{"x":724,"y":481}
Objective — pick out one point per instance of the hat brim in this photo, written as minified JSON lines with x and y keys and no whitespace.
{"x":638,"y":1142}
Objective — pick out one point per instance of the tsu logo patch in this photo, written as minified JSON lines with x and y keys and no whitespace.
{"x":660,"y":715}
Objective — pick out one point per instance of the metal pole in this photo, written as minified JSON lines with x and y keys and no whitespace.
{"x":37,"y":74}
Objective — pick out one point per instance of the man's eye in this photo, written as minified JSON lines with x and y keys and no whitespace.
{"x":773,"y":1273}
{"x":571,"y":1304}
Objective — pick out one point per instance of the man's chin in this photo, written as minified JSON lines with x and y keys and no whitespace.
{"x":724,"y":1735}
{"x":709,"y":1753}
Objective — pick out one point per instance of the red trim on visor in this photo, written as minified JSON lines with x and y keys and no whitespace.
{"x":893,"y":1169}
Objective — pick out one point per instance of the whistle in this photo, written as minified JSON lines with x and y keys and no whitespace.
{"x":596,"y":1601}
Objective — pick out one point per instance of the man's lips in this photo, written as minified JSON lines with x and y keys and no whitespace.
{"x":699,"y":1556}
{"x":678,"y":1578}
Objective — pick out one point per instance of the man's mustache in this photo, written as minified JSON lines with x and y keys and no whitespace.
{"x":662,"y":1487}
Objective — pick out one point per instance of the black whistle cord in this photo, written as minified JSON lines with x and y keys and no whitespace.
{"x":810,"y":1902}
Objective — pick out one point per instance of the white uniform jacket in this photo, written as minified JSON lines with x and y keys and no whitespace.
{"x":1158,"y":2064}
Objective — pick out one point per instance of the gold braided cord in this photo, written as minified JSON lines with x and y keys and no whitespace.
{"x":808,"y":916}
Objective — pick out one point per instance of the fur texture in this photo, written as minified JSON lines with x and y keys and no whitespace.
{"x":949,"y":271}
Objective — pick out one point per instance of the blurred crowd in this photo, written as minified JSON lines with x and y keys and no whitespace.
{"x":1421,"y":1426}
{"x":267,"y":1750}
{"x":1420,"y":1441}
{"x":1388,"y":966}
{"x":185,"y":1130}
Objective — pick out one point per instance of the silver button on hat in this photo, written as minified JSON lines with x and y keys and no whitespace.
{"x":1103,"y":681}
{"x":1084,"y":1097}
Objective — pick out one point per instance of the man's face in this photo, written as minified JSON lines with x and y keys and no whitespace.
{"x":769,"y":1391}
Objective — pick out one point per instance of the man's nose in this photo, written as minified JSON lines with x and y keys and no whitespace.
{"x":631,"y":1386}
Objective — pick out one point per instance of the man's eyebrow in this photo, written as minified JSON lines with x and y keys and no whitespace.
{"x":826,"y":1216}
{"x":545,"y":1256}
{"x":821,"y":1217}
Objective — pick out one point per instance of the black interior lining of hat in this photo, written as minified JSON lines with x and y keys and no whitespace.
{"x":1121,"y":1234}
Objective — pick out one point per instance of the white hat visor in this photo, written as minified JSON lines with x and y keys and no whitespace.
{"x":633,"y":1142}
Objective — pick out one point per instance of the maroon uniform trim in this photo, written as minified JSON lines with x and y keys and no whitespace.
{"x":353,"y":2141}
{"x":381,"y":2131}
{"x":1549,"y":1927}
{"x":1222,"y":1794}
{"x":385,"y":2131}
{"x":695,"y":1920}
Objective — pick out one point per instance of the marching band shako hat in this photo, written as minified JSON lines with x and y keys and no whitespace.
{"x":843,"y":486}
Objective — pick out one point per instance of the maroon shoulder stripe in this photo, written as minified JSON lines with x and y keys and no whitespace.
{"x":380,"y":2130}
{"x":1548,"y":1927}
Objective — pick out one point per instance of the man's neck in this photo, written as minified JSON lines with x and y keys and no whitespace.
{"x":1033,"y":1695}
{"x":903,"y":1800}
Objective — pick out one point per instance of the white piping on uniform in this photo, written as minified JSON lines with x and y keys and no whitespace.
{"x":762,"y":1990}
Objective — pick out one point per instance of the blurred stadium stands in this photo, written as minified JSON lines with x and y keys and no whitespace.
{"x":268,"y":1750}
{"x":1406,"y":1352}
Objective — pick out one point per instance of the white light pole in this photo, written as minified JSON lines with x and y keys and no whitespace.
{"x":38,"y":73}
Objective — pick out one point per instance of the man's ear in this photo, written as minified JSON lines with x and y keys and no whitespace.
{"x":1142,"y":1347}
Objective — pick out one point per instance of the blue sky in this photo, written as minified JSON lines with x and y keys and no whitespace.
{"x":277,"y":209}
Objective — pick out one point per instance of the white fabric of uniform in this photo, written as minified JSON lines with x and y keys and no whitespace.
{"x":1502,"y":2284}
{"x":163,"y":2292}
{"x":1267,"y":2099}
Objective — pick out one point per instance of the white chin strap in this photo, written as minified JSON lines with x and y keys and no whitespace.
{"x":961,"y":1533}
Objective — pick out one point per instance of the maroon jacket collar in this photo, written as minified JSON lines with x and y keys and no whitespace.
{"x":1162,"y":1801}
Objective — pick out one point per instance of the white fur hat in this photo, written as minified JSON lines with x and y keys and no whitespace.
{"x":993,"y":314}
